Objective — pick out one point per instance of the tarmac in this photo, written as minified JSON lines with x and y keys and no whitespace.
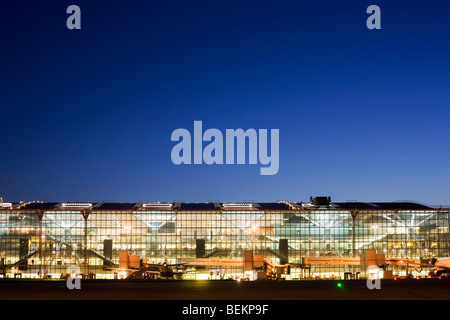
{"x":190,"y":290}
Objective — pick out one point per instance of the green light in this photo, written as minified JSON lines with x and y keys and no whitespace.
{"x":339,"y":285}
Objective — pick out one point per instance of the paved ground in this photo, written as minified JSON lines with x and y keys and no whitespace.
{"x":423,"y":289}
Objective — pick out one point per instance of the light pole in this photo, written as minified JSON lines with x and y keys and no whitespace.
{"x":375,"y":228}
{"x":253,"y":235}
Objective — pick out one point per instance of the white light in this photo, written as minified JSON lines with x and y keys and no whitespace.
{"x":157,"y":205}
{"x":76,"y":205}
{"x":202,"y":276}
{"x":234,"y":205}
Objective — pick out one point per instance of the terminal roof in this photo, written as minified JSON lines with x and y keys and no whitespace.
{"x":214,"y":206}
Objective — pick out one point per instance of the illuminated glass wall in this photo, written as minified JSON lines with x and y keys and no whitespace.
{"x":45,"y":243}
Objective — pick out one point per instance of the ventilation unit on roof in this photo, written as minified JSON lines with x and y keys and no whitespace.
{"x":78,"y":205}
{"x":237,"y":205}
{"x":4,"y":205}
{"x":157,"y":205}
{"x":319,"y":202}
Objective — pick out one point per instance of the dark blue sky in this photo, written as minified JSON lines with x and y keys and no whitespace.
{"x":87,"y":114}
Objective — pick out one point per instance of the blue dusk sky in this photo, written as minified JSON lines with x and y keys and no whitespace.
{"x":87,"y":115}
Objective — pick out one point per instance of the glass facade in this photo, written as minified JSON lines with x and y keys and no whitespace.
{"x":44,"y":243}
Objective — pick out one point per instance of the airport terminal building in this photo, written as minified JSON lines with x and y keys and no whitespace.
{"x":318,"y":239}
